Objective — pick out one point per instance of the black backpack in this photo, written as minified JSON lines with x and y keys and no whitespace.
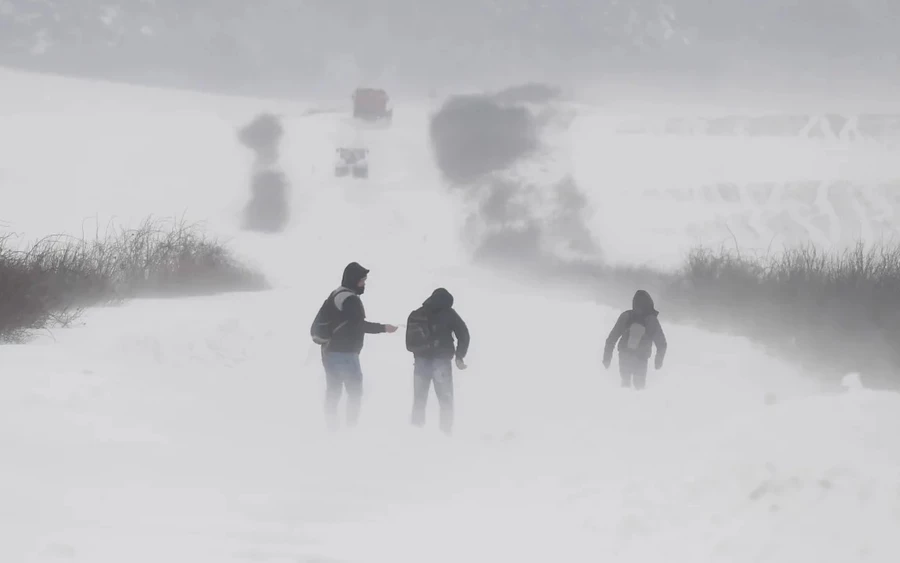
{"x":324,"y":325}
{"x":419,"y":332}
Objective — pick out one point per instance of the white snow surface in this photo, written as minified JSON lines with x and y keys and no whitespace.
{"x":192,"y":430}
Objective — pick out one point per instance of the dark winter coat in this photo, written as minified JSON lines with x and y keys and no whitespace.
{"x":636,"y":330}
{"x":445,"y":322}
{"x":352,"y":325}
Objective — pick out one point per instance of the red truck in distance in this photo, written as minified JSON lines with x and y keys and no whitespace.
{"x":372,"y":104}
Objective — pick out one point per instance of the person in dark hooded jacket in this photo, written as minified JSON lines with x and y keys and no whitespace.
{"x":635,"y":331}
{"x":429,"y":336}
{"x":340,"y":353}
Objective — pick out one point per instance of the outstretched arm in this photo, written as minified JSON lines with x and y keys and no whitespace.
{"x":614,"y":335}
{"x":462,"y":335}
{"x":374,"y":328}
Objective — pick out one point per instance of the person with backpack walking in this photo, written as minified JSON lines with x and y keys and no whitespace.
{"x":429,"y":336}
{"x":635,"y":331}
{"x":339,"y":328}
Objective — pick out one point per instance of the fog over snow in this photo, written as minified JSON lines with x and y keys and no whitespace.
{"x":192,"y":429}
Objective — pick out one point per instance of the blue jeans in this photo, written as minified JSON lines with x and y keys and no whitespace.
{"x":440,"y":372}
{"x":342,"y":371}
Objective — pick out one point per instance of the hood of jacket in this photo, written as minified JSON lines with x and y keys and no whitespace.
{"x":352,"y":274}
{"x":642,"y":304}
{"x":440,"y":299}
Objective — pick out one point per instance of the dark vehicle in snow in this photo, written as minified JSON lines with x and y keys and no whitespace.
{"x":352,"y":161}
{"x":372,"y":104}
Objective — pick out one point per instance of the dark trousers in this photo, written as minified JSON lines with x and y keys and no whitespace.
{"x":440,"y":372}
{"x":633,"y":370}
{"x":342,"y":371}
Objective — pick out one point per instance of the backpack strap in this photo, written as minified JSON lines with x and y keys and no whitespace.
{"x":340,"y":295}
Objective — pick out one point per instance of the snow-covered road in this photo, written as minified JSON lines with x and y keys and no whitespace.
{"x":192,"y":430}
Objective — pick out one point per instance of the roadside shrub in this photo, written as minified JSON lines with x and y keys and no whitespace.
{"x":53,"y":280}
{"x":835,"y":312}
{"x":263,"y":135}
{"x":474,"y":135}
{"x":268,"y":209}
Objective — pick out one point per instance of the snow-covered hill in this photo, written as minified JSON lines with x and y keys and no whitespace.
{"x":755,"y":190}
{"x":192,"y":430}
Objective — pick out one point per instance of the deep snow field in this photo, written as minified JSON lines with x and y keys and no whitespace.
{"x":192,"y":430}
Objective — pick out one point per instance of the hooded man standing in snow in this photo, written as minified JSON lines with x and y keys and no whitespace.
{"x":340,"y":327}
{"x":636,"y":331}
{"x":429,"y":336}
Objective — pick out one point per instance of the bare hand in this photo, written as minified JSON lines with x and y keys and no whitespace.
{"x":390,"y":328}
{"x":460,"y":363}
